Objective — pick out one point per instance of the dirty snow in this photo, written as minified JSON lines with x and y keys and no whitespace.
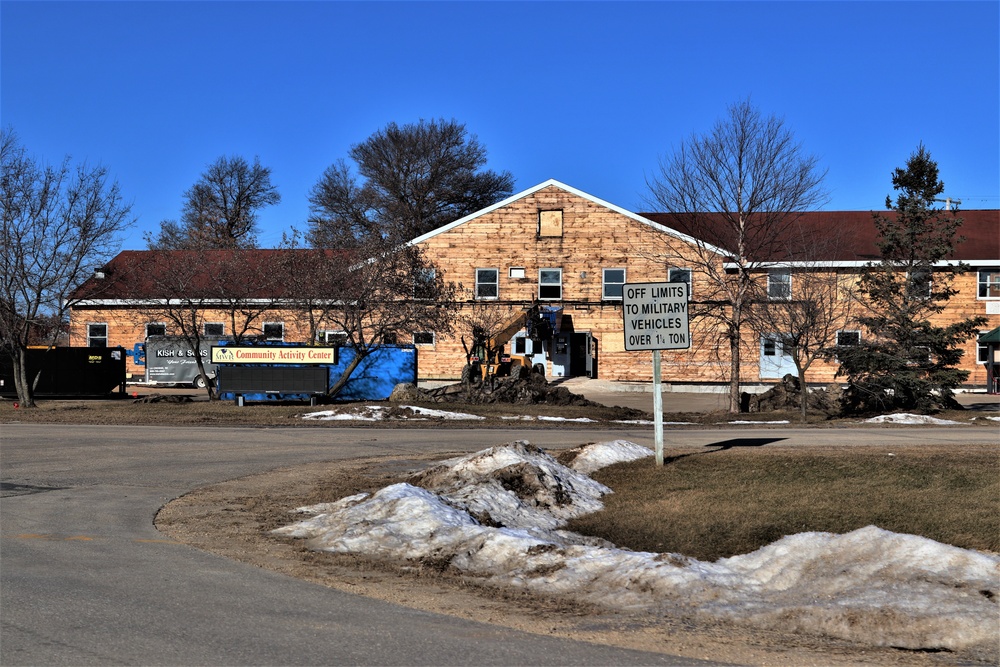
{"x":379,"y":413}
{"x":497,"y":515}
{"x":907,"y":418}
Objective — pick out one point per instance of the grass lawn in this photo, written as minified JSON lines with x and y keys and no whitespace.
{"x":719,"y":503}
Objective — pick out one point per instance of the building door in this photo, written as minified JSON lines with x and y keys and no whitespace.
{"x":581,"y":359}
{"x":775,"y":360}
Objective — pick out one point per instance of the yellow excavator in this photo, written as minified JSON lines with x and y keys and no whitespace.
{"x":487,"y":355}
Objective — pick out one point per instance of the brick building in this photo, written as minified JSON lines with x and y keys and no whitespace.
{"x":556,"y":246}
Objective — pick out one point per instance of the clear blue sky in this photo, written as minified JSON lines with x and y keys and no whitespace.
{"x":589,"y":93}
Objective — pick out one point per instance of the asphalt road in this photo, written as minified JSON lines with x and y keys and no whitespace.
{"x":86,"y":579}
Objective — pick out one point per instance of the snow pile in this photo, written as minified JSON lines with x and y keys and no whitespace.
{"x":496,"y":515}
{"x":907,"y":418}
{"x":380,"y":413}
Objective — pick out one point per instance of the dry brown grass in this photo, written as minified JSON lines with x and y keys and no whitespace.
{"x":725,"y":502}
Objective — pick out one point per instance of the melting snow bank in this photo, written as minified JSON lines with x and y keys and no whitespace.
{"x":496,"y":515}
{"x":907,"y":418}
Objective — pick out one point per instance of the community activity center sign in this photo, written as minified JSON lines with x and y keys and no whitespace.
{"x":236,"y":354}
{"x":656,"y":316}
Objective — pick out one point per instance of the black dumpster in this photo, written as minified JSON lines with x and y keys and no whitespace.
{"x":69,"y":371}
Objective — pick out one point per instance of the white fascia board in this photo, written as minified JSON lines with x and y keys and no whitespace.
{"x":579,"y":193}
{"x":854,"y":264}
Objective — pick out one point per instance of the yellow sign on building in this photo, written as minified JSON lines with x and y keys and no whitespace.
{"x":249,"y":354}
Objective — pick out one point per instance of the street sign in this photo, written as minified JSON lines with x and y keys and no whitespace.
{"x":656,"y":316}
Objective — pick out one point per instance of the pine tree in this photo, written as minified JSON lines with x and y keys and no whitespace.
{"x":905,"y":361}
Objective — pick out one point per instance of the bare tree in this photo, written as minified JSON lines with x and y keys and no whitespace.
{"x":414,"y":178}
{"x":220,"y":210}
{"x":490,"y":325}
{"x":737,"y":191}
{"x":387,"y":292}
{"x":822,"y":306}
{"x":58,"y":224}
{"x":184,"y":288}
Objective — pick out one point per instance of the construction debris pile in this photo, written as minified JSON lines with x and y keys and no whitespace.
{"x":786,"y":396}
{"x":517,"y":389}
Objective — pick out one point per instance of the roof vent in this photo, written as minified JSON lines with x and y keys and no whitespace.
{"x":99,"y":274}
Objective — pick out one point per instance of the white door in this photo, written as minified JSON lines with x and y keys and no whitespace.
{"x":775,"y":360}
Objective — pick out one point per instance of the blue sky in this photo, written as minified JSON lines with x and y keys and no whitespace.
{"x":589,"y":93}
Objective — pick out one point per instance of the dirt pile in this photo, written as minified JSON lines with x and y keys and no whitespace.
{"x":522,"y":389}
{"x":785,"y":396}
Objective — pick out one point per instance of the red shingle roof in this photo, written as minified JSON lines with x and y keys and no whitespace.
{"x":855,"y":233}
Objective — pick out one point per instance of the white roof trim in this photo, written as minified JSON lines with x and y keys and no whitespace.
{"x":579,"y":193}
{"x":859,"y":264}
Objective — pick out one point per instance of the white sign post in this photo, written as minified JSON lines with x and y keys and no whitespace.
{"x":656,"y":318}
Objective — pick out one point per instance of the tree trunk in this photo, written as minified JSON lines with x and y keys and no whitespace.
{"x":734,"y":374}
{"x":24,"y":388}
{"x":346,"y":375}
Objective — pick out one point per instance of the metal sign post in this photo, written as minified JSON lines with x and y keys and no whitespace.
{"x":656,"y":318}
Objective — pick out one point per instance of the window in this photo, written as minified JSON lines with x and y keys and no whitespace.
{"x":982,"y":353}
{"x":214,"y":329}
{"x":613,"y":281}
{"x":549,"y":283}
{"x":517,"y":272}
{"x":423,"y":337}
{"x":848,"y":338}
{"x":550,"y":223}
{"x":487,"y":283}
{"x":389,"y":338}
{"x":919,"y":283}
{"x":156,"y":329}
{"x":274,"y":331}
{"x":519,"y":345}
{"x":424,"y":282}
{"x":769,"y":347}
{"x":97,"y":335}
{"x":989,"y":283}
{"x":680,"y":276}
{"x":779,"y":284}
{"x":335,"y":337}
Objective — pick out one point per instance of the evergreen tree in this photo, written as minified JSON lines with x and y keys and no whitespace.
{"x":905,"y":360}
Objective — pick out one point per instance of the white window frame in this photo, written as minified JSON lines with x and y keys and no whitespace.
{"x":689,"y":280}
{"x":90,"y":335}
{"x":335,"y":337}
{"x":156,"y":324}
{"x":432,"y":335}
{"x":982,"y":352}
{"x":204,"y":329}
{"x":265,"y":325}
{"x":605,"y":283}
{"x":911,"y":284}
{"x":772,"y":284}
{"x":540,"y":284}
{"x":984,"y":285}
{"x":421,"y":278}
{"x":495,"y":284}
{"x":852,"y":331}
